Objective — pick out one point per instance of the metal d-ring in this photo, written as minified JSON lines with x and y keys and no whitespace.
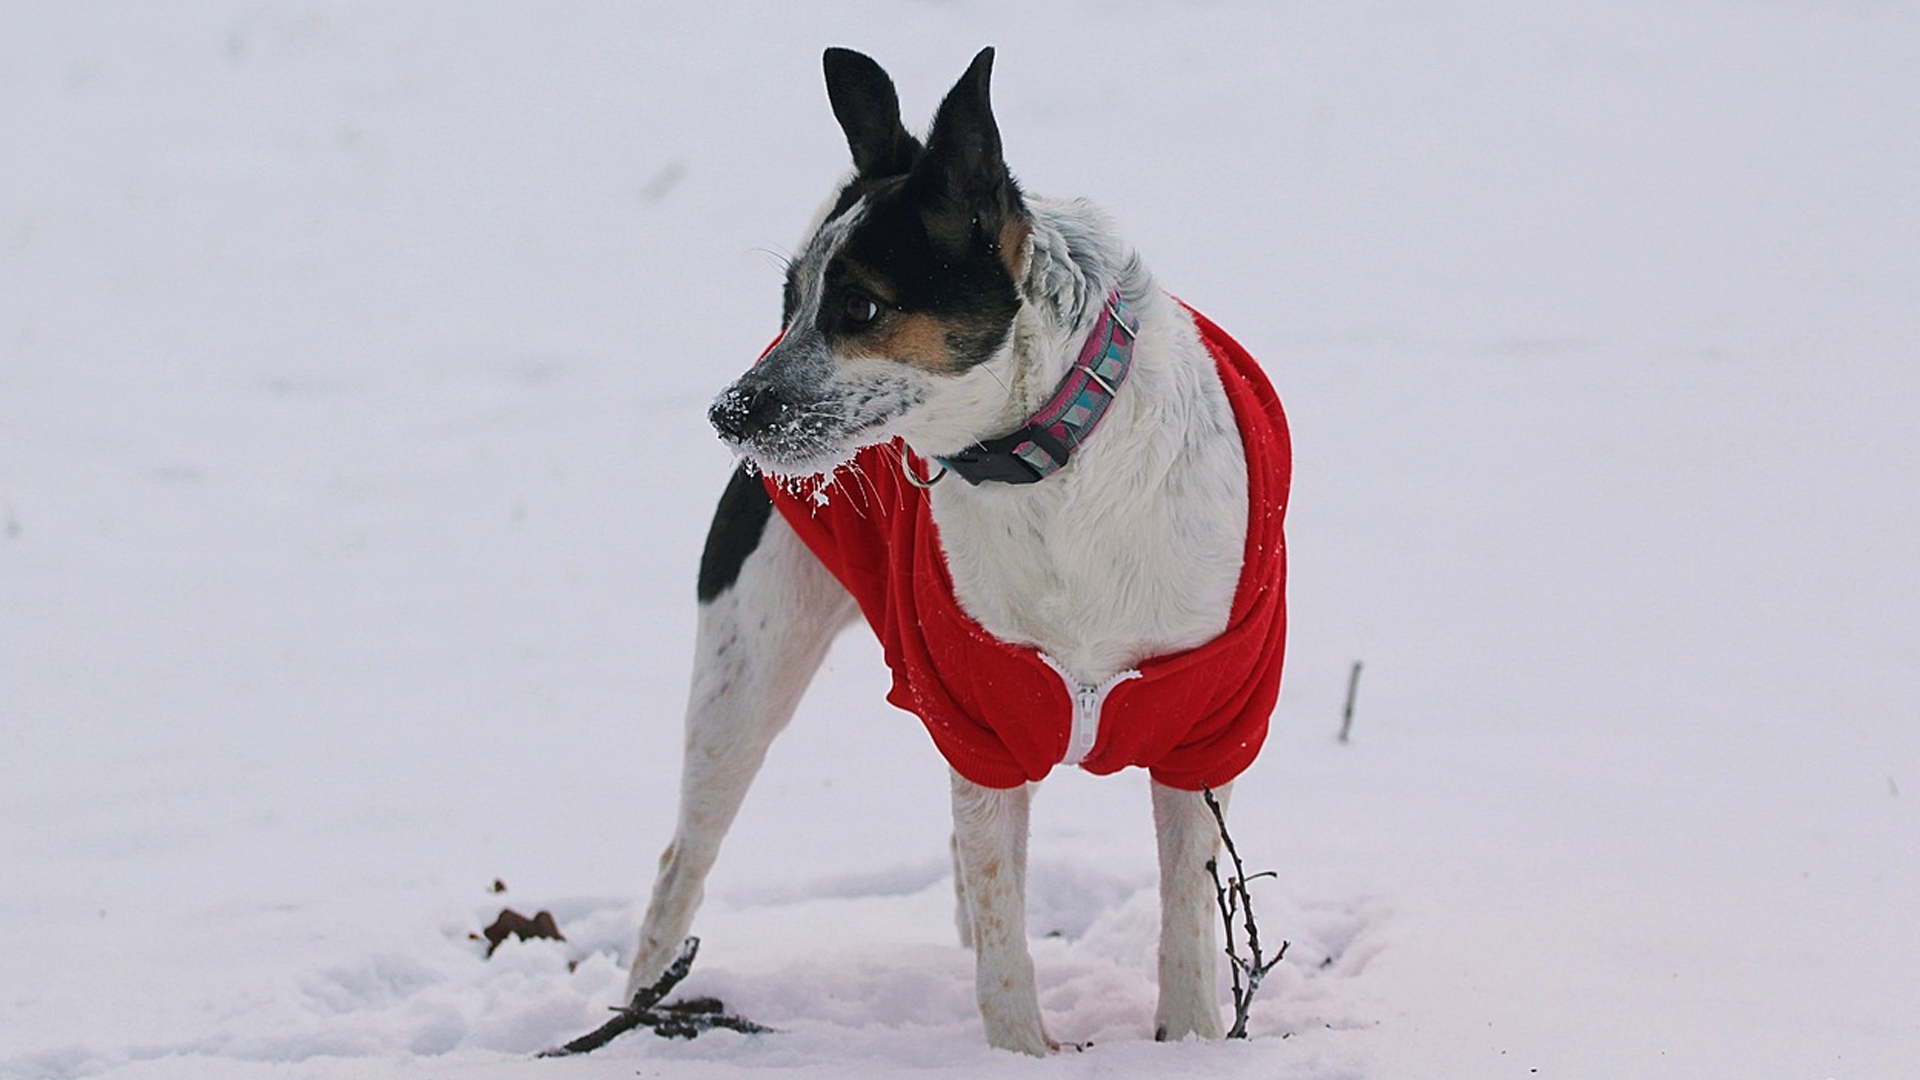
{"x":906,"y":466}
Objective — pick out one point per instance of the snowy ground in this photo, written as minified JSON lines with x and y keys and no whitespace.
{"x":352,"y":474}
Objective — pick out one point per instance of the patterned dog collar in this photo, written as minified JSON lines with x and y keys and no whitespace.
{"x":1041,"y":446}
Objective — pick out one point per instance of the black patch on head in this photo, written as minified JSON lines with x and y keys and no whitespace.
{"x":930,"y":240}
{"x":738,"y":524}
{"x":892,"y":257}
{"x":868,"y":110}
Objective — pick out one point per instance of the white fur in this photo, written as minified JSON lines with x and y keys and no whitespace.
{"x":1133,"y":550}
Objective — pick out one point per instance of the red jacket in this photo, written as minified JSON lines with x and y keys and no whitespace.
{"x":1000,"y":712}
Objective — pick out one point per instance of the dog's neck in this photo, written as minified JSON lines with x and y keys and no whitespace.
{"x":1073,"y":263}
{"x":1045,"y":443}
{"x":1134,"y":549}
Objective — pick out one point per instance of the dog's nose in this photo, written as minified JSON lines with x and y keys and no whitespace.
{"x":746,"y":409}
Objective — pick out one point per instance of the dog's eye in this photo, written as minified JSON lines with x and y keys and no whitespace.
{"x":859,"y":310}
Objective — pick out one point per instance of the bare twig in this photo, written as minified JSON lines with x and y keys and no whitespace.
{"x":679,"y":1020}
{"x":1353,"y":690}
{"x":1234,"y":901}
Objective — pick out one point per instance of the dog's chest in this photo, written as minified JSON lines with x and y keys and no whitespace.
{"x":1097,"y":577}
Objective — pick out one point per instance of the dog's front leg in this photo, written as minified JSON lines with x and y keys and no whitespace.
{"x":1187,"y":837}
{"x":990,"y":839}
{"x":761,"y":638}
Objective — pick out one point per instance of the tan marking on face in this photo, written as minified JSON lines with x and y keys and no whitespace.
{"x":1013,"y":247}
{"x":913,"y":339}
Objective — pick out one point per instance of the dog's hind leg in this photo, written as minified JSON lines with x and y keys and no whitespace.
{"x":990,"y":842}
{"x":768,"y":611}
{"x":1187,"y":837}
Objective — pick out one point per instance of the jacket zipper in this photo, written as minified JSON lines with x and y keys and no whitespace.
{"x":1088,"y":701}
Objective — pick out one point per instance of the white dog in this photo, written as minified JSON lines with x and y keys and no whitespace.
{"x":1053,"y":491}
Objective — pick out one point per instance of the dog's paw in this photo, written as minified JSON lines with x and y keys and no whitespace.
{"x":1025,"y":1035}
{"x":1175,"y":1025}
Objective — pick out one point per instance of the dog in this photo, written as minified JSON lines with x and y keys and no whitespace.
{"x":1054,"y":492}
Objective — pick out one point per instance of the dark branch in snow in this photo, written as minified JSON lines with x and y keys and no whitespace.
{"x":678,"y":1020}
{"x":1234,"y":900}
{"x":1353,"y":690}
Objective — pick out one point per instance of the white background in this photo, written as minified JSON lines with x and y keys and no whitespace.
{"x":353,"y":472}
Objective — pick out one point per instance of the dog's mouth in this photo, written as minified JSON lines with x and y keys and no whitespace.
{"x":798,"y":440}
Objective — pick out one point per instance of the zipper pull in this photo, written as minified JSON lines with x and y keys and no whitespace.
{"x":1088,"y":702}
{"x":1086,"y":723}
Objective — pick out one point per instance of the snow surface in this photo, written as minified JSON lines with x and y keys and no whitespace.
{"x":353,"y":471}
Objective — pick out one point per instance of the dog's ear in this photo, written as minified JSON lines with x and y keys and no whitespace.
{"x":864,"y":102}
{"x":962,"y":178}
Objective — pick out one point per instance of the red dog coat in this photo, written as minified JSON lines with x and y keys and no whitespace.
{"x":1002,"y":713}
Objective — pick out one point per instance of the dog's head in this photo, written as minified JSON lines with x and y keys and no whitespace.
{"x":900,"y":304}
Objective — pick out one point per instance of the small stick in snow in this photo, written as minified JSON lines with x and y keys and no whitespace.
{"x":679,"y":1020}
{"x":1233,"y":898}
{"x":1353,"y":690}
